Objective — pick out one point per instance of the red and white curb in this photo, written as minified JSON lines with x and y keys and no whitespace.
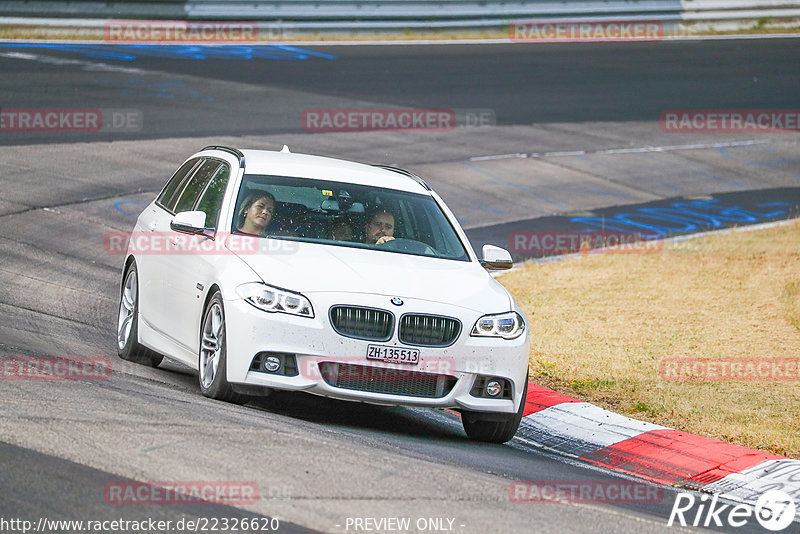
{"x":659,"y":454}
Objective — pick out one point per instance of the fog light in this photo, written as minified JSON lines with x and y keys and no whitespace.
{"x":493,"y":388}
{"x":272,"y":364}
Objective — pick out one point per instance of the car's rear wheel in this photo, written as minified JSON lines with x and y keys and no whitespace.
{"x":213,"y":354}
{"x":128,"y":346}
{"x":481,"y":427}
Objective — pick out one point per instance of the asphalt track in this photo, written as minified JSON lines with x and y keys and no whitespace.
{"x":569,"y":109}
{"x":521,"y":84}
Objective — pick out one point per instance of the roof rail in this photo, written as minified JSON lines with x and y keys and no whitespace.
{"x":234,"y":151}
{"x":404,"y":172}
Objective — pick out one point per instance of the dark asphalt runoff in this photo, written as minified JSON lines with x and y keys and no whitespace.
{"x":635,"y":225}
{"x":38,"y":487}
{"x":521,"y":84}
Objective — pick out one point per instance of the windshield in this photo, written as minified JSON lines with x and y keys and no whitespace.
{"x":343,"y":214}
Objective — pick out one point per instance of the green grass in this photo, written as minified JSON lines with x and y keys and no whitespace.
{"x":601,"y":323}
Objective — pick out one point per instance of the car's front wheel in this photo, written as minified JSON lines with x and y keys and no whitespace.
{"x":128,"y":346}
{"x":213,"y":354}
{"x":481,"y":427}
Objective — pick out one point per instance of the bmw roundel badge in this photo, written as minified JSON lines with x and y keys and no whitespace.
{"x":397,"y":301}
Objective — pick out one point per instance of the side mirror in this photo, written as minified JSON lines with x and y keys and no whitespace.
{"x":190,"y":222}
{"x":496,"y":258}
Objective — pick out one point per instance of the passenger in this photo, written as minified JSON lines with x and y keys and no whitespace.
{"x":255,"y":213}
{"x":341,"y":230}
{"x":379,"y":227}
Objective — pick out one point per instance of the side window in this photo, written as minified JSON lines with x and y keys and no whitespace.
{"x":175,"y":184}
{"x":211,"y":199}
{"x":195,"y":186}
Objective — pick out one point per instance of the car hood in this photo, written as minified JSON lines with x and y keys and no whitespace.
{"x":311,"y":268}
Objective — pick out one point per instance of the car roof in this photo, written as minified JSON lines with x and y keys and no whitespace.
{"x":285,"y":163}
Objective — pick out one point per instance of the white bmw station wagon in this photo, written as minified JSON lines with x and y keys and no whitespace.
{"x":272,"y":270}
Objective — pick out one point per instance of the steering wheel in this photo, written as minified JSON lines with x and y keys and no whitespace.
{"x":413,"y":246}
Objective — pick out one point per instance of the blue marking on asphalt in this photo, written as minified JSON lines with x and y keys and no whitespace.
{"x":690,"y":216}
{"x":131,"y":52}
{"x":127,"y":213}
{"x":304,"y":51}
{"x":776,"y":204}
{"x":88,"y":51}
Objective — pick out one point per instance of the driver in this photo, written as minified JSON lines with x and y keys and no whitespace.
{"x":255,"y":213}
{"x":379,"y":227}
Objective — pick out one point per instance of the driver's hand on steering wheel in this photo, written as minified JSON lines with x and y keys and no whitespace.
{"x":383,"y":239}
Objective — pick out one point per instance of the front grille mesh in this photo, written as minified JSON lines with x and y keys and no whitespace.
{"x":387,"y":381}
{"x":428,"y":330}
{"x":362,"y":323}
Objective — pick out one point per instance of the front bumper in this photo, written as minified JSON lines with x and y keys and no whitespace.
{"x":314,"y":342}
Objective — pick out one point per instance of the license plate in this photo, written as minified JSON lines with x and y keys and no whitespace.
{"x":393,"y":354}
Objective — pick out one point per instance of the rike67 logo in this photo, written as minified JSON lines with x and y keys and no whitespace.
{"x":774,"y":510}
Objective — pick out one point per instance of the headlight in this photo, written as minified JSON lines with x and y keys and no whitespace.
{"x":272,"y":299}
{"x":507,"y":325}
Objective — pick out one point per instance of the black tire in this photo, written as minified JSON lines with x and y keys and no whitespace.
{"x":128,"y":346}
{"x":480,"y":427}
{"x":212,"y":357}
